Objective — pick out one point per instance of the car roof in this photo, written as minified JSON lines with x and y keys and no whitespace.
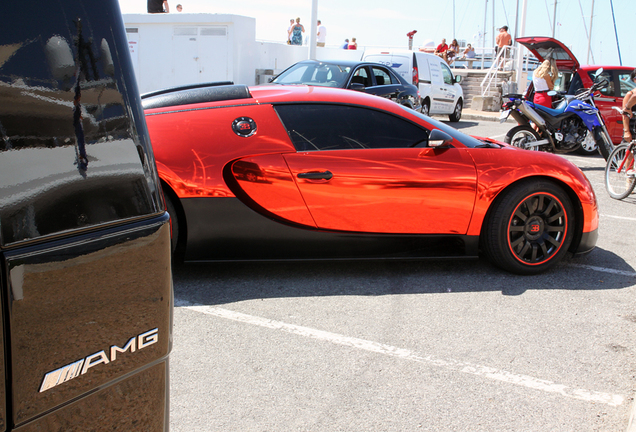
{"x":240,"y":94}
{"x":350,"y":63}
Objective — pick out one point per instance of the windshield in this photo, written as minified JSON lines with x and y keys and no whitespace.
{"x":315,"y":74}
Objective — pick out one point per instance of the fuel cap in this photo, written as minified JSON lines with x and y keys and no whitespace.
{"x":244,"y":126}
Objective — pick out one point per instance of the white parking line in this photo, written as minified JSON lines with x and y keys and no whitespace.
{"x":453,"y":365}
{"x":604,"y":269}
{"x":618,"y":217}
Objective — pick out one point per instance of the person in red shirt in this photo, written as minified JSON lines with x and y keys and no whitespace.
{"x":441,"y":50}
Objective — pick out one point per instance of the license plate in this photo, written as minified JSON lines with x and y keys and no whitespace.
{"x":503,"y":116}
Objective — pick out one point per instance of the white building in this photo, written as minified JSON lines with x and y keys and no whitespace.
{"x":174,"y":49}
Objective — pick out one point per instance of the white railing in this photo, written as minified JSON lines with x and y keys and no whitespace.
{"x":502,"y":62}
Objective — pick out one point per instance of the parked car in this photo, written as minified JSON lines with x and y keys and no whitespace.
{"x":84,"y":245}
{"x":345,"y":175}
{"x":573,"y":77}
{"x":440,"y":92}
{"x":372,"y":78}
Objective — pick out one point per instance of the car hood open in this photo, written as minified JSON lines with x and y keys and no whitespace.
{"x":540,"y":46}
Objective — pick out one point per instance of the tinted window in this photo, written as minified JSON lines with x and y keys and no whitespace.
{"x":66,"y":124}
{"x":610,"y":90}
{"x":626,"y":84}
{"x":383,"y":77}
{"x":361,"y":76}
{"x":576,"y":85}
{"x":338,"y":127}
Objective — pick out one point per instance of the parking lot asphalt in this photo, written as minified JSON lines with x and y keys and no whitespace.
{"x":406,"y":345}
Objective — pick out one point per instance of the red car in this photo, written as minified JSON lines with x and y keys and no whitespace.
{"x":575,"y":77}
{"x":345,"y":175}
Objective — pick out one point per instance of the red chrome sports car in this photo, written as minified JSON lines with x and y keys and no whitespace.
{"x":292,"y":173}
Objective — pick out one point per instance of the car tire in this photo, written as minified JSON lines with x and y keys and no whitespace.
{"x":457,"y":113}
{"x":519,"y":135}
{"x":530,"y":227}
{"x":174,"y":223}
{"x":426,"y":108}
{"x":588,"y":146}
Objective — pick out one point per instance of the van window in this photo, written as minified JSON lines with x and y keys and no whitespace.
{"x":447,"y":74}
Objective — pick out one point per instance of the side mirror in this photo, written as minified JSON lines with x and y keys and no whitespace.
{"x":356,"y":86}
{"x":439,"y":138}
{"x":552,"y":93}
{"x":458,"y":79}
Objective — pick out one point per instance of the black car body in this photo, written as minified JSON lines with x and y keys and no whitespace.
{"x":373,"y":78}
{"x":84,"y":236}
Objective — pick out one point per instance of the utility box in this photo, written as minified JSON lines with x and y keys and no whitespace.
{"x":175,"y":49}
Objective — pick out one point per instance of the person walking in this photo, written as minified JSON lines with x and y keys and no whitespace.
{"x":296,"y":33}
{"x":321,"y":37}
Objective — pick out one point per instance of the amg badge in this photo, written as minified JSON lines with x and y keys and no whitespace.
{"x":80,"y":367}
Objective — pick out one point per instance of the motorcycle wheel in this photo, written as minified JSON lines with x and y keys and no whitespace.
{"x":603,"y":142}
{"x":520,"y":135}
{"x":588,"y":146}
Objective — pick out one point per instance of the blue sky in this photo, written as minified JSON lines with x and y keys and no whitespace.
{"x":376,"y":23}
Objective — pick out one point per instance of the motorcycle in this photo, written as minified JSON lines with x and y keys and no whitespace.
{"x":561,"y":129}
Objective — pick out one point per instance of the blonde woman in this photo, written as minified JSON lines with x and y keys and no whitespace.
{"x":296,"y":33}
{"x":543,"y":79}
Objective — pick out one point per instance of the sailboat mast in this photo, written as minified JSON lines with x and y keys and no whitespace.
{"x":589,"y":38}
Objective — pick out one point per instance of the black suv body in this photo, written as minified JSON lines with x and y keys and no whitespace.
{"x":84,"y":236}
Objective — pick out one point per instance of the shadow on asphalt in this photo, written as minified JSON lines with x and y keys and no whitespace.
{"x":222,"y":283}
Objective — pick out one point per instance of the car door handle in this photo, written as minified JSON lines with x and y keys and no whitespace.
{"x":326,"y":175}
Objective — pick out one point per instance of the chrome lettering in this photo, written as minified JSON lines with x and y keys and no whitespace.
{"x":100,"y":357}
{"x":80,"y":367}
{"x":148,"y":338}
{"x":129,"y":345}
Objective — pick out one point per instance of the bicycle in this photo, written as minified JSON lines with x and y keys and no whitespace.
{"x":619,"y":171}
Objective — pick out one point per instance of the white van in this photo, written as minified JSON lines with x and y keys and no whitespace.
{"x":439,"y":89}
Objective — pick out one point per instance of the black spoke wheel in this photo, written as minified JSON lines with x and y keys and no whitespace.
{"x":530,"y":228}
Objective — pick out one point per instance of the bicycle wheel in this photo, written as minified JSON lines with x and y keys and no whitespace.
{"x":618,"y":184}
